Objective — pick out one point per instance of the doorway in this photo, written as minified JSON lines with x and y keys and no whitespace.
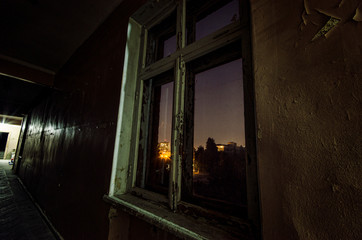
{"x":3,"y":141}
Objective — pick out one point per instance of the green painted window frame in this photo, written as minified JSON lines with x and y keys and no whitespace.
{"x":135,"y":72}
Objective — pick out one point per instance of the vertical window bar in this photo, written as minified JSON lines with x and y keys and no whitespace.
{"x":143,"y":57}
{"x":181,"y":24}
{"x":123,"y":149}
{"x":177,"y":136}
{"x":137,"y":115}
{"x":250,"y":119}
{"x":147,"y":120}
{"x":138,"y":109}
{"x":144,"y":105}
{"x":144,"y":47}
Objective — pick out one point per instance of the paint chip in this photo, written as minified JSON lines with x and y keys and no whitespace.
{"x":358,"y":15}
{"x":332,"y":22}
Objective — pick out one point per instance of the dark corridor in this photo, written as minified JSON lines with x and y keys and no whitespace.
{"x":19,"y":216}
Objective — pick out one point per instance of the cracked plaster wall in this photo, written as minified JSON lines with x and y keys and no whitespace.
{"x":307,"y":88}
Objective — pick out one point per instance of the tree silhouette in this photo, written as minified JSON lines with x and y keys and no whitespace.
{"x":211,"y":157}
{"x":200,"y":159}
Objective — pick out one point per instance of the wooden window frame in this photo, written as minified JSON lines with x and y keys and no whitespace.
{"x":124,"y":170}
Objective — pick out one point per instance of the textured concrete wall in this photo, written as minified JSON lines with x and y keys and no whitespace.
{"x":308,"y":112}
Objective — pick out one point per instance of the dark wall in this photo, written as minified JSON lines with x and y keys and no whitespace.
{"x":68,"y":150}
{"x":307,"y":111}
{"x":17,"y":97}
{"x":125,"y":226}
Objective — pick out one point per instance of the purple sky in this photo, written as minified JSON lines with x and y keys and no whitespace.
{"x":218,"y":19}
{"x":165,"y":124}
{"x":219,"y":105}
{"x":211,"y":23}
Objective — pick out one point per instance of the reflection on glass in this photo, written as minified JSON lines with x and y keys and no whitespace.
{"x":161,"y":39}
{"x":218,"y":19}
{"x":219,"y":134}
{"x":169,"y":46}
{"x":160,"y":145}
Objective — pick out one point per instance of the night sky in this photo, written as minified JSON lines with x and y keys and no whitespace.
{"x":218,"y":19}
{"x":165,"y":125}
{"x":219,"y":108}
{"x":219,"y":105}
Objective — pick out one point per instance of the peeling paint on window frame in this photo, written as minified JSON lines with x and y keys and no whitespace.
{"x":135,"y":72}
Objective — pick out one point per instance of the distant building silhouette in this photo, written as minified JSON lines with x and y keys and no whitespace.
{"x":230,"y":147}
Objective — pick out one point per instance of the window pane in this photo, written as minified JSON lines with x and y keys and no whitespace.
{"x":160,"y":142}
{"x":161,"y":40}
{"x":219,"y":134}
{"x":169,"y":46}
{"x":218,"y":19}
{"x":205,"y":17}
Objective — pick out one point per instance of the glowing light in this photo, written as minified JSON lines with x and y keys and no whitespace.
{"x":3,"y":124}
{"x":163,"y":149}
{"x":220,"y":148}
{"x":165,"y":155}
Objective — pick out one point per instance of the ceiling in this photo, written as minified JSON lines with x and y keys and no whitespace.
{"x":17,"y":97}
{"x":12,"y":120}
{"x":37,"y":38}
{"x":45,"y":33}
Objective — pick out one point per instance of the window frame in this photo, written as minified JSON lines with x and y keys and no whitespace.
{"x":147,"y":128}
{"x":135,"y":72}
{"x":218,"y":58}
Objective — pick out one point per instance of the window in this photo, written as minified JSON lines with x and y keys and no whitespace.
{"x":215,"y":132}
{"x":186,"y":132}
{"x":154,"y":162}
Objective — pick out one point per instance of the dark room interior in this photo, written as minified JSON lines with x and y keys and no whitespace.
{"x":182,"y":119}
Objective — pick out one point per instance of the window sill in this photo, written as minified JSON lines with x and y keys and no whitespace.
{"x":182,"y":226}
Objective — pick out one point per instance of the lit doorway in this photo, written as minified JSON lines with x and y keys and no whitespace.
{"x":10,"y":127}
{"x":3,"y":141}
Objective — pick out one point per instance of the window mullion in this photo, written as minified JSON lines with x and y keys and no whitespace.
{"x":144,"y":38}
{"x":178,"y":117}
{"x":125,"y":123}
{"x":138,"y":109}
{"x":181,"y":24}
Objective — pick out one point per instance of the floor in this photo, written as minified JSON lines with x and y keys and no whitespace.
{"x":19,"y":217}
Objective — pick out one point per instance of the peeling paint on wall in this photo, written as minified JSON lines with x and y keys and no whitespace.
{"x":326,"y":15}
{"x":332,"y":22}
{"x":308,"y":108}
{"x":358,"y":14}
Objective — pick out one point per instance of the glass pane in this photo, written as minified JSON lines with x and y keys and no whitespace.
{"x":169,"y":46}
{"x":161,"y":40}
{"x":160,"y":144}
{"x":218,"y":19}
{"x":219,"y":134}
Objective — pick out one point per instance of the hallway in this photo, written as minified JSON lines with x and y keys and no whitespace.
{"x":19,"y":217}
